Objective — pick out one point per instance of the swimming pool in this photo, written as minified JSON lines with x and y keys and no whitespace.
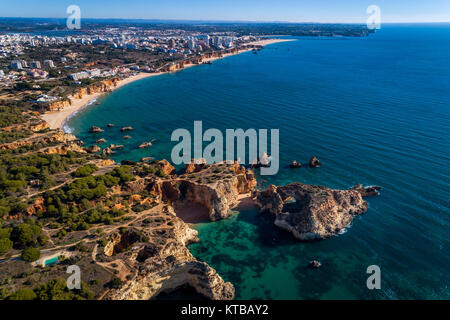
{"x":51,"y":261}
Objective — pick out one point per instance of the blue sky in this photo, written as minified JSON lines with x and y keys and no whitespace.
{"x":247,"y":10}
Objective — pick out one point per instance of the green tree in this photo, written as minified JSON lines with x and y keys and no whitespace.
{"x":4,"y":293}
{"x":42,"y":240}
{"x":31,"y":254}
{"x":25,"y":234}
{"x":123,"y":172}
{"x":5,"y":233}
{"x":5,"y":245}
{"x":56,"y":289}
{"x":85,"y":171}
{"x":115,"y":283}
{"x":23,"y":294}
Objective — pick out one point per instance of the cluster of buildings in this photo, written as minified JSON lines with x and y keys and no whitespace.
{"x":85,"y":74}
{"x":22,"y":64}
{"x":218,"y":42}
{"x":33,"y":68}
{"x":37,"y":73}
{"x":12,"y":45}
{"x":171,"y":42}
{"x":97,"y":73}
{"x":179,"y":44}
{"x":43,"y":98}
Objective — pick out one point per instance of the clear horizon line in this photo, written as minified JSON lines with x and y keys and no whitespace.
{"x":228,"y":20}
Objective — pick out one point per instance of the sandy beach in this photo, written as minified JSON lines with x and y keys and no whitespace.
{"x":57,"y":119}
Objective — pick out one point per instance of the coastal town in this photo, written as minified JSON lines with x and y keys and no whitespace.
{"x":64,"y":73}
{"x":127,"y":225}
{"x":71,"y":61}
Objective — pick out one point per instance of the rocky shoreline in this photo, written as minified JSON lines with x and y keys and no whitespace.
{"x":163,"y":266}
{"x":312,"y":212}
{"x":150,"y":256}
{"x":165,"y":263}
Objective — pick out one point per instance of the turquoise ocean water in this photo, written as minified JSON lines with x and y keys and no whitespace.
{"x":374,"y":110}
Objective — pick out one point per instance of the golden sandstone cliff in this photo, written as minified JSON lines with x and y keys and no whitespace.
{"x":216,"y":197}
{"x":164,"y":264}
{"x":150,"y":255}
{"x":103,"y":86}
{"x":51,"y":137}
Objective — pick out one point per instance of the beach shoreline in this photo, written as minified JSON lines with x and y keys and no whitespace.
{"x":58,"y":119}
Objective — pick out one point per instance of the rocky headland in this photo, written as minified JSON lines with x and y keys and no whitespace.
{"x":143,"y":247}
{"x":163,"y":263}
{"x":311,"y":212}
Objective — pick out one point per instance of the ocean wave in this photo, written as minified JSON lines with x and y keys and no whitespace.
{"x":65,"y":127}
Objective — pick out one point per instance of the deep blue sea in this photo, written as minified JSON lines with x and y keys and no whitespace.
{"x":374,"y":110}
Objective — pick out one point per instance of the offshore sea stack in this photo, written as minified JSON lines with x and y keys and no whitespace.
{"x":124,"y":129}
{"x":294,"y":164}
{"x":145,"y":145}
{"x":95,"y":129}
{"x":310,"y":212}
{"x":314,"y":162}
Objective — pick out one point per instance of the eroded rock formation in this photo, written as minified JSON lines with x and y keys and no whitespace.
{"x":165,"y":264}
{"x":369,"y":191}
{"x":93,"y":149}
{"x":314,"y":162}
{"x":145,"y":145}
{"x":218,"y":197}
{"x":311,"y":212}
{"x":165,"y":167}
{"x":95,"y":129}
{"x":51,"y":137}
{"x":127,"y":129}
{"x":64,"y":149}
{"x":196,"y":165}
{"x":294,"y":164}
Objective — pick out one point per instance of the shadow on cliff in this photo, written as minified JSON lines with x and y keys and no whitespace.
{"x":267,"y":234}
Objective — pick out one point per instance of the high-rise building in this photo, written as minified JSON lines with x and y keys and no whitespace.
{"x":16,"y":65}
{"x":94,"y":73}
{"x":207,"y":40}
{"x":228,"y":42}
{"x":79,"y":75}
{"x":35,"y":64}
{"x":49,"y":64}
{"x":217,"y":41}
{"x":192,"y":42}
